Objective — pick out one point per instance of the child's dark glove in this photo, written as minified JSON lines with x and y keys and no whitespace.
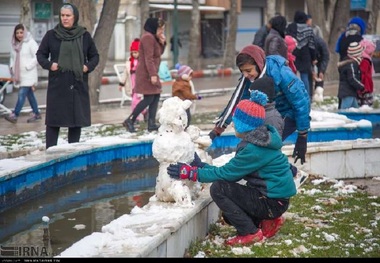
{"x":217,"y":131}
{"x":300,"y":148}
{"x":197,"y":162}
{"x":182,"y":171}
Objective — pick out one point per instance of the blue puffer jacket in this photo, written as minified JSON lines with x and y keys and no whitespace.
{"x":292,"y":100}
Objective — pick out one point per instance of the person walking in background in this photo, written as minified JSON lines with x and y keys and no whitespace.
{"x":354,"y":33}
{"x":23,"y":65}
{"x":275,"y":42}
{"x":261,"y":34}
{"x":316,"y":29}
{"x":349,"y":77}
{"x":179,"y":44}
{"x":305,"y":50}
{"x":255,"y":208}
{"x":69,"y":53}
{"x":367,"y":70}
{"x":323,"y":58}
{"x":291,"y":44}
{"x":129,"y":77}
{"x":182,"y":88}
{"x":152,"y":46}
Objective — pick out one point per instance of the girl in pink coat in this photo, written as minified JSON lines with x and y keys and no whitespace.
{"x":129,"y":77}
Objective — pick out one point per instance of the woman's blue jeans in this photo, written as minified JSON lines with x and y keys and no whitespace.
{"x":24,"y":92}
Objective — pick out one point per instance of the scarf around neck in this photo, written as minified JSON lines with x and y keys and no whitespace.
{"x":71,"y":51}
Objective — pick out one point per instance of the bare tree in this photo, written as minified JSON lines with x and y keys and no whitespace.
{"x":87,"y":13}
{"x":230,"y":51}
{"x":25,"y":13}
{"x":271,"y":8}
{"x":144,"y":12}
{"x":193,"y":59}
{"x":330,"y":16}
{"x":102,"y":36}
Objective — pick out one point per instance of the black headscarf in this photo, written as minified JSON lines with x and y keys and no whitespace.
{"x":300,"y":17}
{"x":71,"y":51}
{"x":279,"y":24}
{"x":151,"y":25}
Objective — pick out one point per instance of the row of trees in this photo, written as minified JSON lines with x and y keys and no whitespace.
{"x":332,"y":14}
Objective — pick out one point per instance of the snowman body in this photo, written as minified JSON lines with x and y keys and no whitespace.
{"x":171,"y":145}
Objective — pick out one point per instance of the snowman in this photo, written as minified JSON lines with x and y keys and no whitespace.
{"x":171,"y":145}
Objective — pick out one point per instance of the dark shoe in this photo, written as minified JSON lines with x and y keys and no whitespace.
{"x":153,"y":127}
{"x":128,"y":124}
{"x":35,"y":117}
{"x":11,"y":118}
{"x":271,"y":227}
{"x":246,"y":240}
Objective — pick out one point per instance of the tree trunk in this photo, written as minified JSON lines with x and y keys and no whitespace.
{"x":25,"y":13}
{"x":319,"y":10}
{"x":194,"y":46}
{"x":144,"y":13}
{"x":330,"y":16}
{"x":102,"y":36}
{"x":340,"y":17}
{"x":230,"y":50}
{"x":87,"y":13}
{"x":271,"y":9}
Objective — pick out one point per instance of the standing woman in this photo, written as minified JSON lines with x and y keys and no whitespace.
{"x":69,"y":53}
{"x":23,"y":64}
{"x":152,"y":46}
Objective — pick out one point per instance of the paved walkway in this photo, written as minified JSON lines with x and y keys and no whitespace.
{"x":110,"y":112}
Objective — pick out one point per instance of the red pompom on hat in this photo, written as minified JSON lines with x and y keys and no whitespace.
{"x":135,"y":45}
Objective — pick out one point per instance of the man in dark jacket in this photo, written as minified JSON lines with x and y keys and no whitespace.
{"x":261,"y":35}
{"x":323,"y":58}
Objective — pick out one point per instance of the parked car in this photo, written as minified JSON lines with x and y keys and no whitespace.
{"x":376,"y":54}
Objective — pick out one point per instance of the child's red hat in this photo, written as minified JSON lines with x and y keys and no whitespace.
{"x":135,"y":45}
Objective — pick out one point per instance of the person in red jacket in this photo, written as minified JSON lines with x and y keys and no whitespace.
{"x":365,"y":97}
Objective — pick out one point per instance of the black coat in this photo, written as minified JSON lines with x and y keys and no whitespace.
{"x":322,"y":53}
{"x":349,"y":78}
{"x":67,"y":99}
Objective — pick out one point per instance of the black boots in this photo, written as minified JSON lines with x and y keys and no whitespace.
{"x":128,"y":124}
{"x":152,"y":126}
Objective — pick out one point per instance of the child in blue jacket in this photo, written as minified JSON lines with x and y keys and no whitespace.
{"x":254,"y":209}
{"x":291,"y":97}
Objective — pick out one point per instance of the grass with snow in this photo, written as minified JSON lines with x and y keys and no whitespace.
{"x":323,"y":220}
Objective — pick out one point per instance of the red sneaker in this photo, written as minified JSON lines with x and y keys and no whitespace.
{"x":271,"y":227}
{"x":246,"y":240}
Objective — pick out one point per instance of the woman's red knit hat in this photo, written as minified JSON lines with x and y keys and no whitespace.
{"x":135,"y":45}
